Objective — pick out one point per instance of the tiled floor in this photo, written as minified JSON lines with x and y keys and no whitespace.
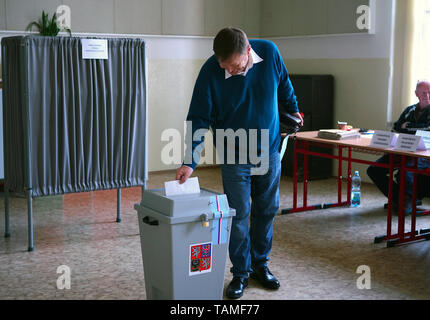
{"x":315,"y":254}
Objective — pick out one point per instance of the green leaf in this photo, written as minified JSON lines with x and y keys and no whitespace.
{"x":33,"y":24}
{"x":68,"y":31}
{"x":47,"y":26}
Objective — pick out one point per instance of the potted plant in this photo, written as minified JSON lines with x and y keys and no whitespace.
{"x":46,"y":26}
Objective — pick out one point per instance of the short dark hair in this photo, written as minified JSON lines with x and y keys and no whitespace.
{"x":229,"y":41}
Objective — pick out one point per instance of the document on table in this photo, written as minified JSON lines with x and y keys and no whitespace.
{"x":426,"y":137}
{"x":409,"y":143}
{"x":383,"y":139}
{"x":173,"y":188}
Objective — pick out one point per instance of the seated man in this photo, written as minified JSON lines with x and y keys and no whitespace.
{"x":415,"y":117}
{"x":423,"y":183}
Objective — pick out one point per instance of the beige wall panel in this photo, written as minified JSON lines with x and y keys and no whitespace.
{"x":92,"y":15}
{"x":309,"y":17}
{"x":244,"y":14}
{"x":21,"y":12}
{"x":138,"y":16}
{"x":183,"y":17}
{"x":49,"y":6}
{"x":252,"y":18}
{"x":224,"y":13}
{"x":2,"y":14}
{"x":342,"y":16}
{"x":276,"y":18}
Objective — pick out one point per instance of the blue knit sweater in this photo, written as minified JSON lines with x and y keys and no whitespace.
{"x":248,"y":102}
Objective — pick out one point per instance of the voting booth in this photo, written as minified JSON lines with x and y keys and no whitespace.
{"x":184,"y":241}
{"x":74,"y":117}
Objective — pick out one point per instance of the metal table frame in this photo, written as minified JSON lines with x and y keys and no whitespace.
{"x":301,"y":146}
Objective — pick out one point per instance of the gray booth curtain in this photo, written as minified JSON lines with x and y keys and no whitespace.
{"x":73,"y":124}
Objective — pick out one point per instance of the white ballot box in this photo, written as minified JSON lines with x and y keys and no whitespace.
{"x":184,"y":241}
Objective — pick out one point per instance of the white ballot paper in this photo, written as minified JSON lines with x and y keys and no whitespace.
{"x":409,"y":143}
{"x":173,"y":188}
{"x":383,"y":139}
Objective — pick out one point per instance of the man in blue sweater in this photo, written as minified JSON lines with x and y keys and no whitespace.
{"x":239,"y":88}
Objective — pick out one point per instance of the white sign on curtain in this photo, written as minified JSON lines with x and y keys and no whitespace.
{"x":94,"y":49}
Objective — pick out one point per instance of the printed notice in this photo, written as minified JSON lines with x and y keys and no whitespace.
{"x":94,"y":49}
{"x":383,"y":139}
{"x":426,"y":137}
{"x":409,"y":143}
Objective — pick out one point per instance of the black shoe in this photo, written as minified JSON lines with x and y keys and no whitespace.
{"x":236,"y":287}
{"x":265,"y":277}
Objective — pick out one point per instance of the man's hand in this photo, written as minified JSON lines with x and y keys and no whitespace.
{"x":183,"y":173}
{"x":403,"y":126}
{"x":298,"y":115}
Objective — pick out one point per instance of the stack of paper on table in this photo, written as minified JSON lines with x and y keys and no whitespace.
{"x":336,"y":134}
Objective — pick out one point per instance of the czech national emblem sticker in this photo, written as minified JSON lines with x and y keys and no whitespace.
{"x":200,"y":258}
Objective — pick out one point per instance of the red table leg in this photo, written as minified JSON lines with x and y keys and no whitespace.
{"x":348,"y":192}
{"x":296,"y":154}
{"x":389,"y":236}
{"x":390,"y":196}
{"x":339,"y":174}
{"x":401,"y":215}
{"x":414,"y":201}
{"x":305,"y":176}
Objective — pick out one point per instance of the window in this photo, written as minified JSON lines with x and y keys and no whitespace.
{"x":420,"y":64}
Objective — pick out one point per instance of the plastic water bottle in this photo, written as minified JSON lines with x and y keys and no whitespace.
{"x":355,"y":191}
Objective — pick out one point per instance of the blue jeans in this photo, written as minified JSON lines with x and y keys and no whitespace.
{"x":251,"y":239}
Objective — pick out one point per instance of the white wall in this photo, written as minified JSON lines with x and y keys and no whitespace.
{"x":361,"y":65}
{"x":306,"y":17}
{"x":346,"y":46}
{"x":353,"y":47}
{"x":174,"y":62}
{"x":157,"y":17}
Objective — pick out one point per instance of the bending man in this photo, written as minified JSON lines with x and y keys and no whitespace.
{"x":239,"y":89}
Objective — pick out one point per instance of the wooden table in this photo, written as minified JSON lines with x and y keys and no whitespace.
{"x":397,"y":160}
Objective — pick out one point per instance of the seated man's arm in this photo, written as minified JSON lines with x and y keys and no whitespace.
{"x":401,"y":123}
